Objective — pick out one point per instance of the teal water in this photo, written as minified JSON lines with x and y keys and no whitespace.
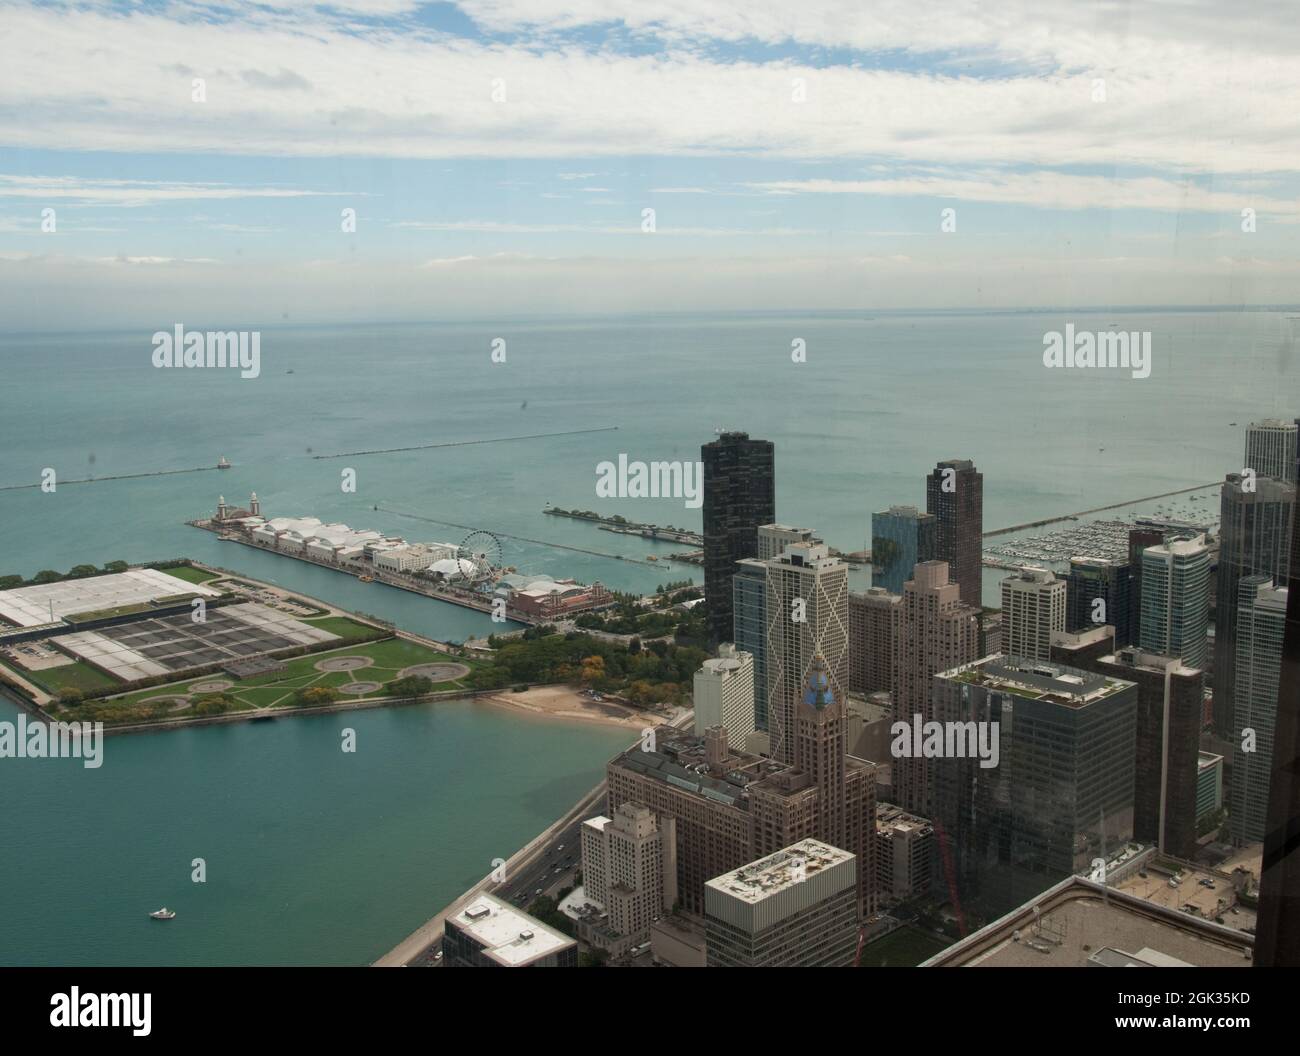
{"x":319,"y":857}
{"x":313,"y":855}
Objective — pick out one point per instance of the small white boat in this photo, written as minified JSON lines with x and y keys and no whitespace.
{"x":163,"y":914}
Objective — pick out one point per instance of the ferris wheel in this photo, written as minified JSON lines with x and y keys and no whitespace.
{"x":483,"y":549}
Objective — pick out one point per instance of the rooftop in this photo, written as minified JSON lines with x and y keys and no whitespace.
{"x":1079,"y":923}
{"x":766,"y":877}
{"x":507,"y":934}
{"x":31,"y":606}
{"x":1038,"y":680}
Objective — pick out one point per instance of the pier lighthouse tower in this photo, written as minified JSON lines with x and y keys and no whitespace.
{"x":221,"y":508}
{"x":254,"y":505}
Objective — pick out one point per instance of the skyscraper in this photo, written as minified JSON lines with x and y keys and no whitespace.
{"x":954,"y":495}
{"x":1271,"y":449}
{"x":1168,"y":733}
{"x":827,"y":793}
{"x":1254,"y":540}
{"x":1033,"y":608}
{"x":739,"y":495}
{"x":1062,"y":792}
{"x":724,"y":694}
{"x":900,"y":537}
{"x":1278,"y":930}
{"x":792,"y":909}
{"x":936,"y":631}
{"x":774,"y":538}
{"x":1138,"y":540}
{"x":749,"y":626}
{"x":872,"y":625}
{"x":1092,"y":580}
{"x":807,"y":616}
{"x":1176,"y":600}
{"x":1261,"y":624}
{"x":749,"y":605}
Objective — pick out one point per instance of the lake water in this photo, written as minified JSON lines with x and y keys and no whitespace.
{"x":319,"y":857}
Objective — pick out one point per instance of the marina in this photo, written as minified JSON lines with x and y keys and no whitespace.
{"x":1102,"y":538}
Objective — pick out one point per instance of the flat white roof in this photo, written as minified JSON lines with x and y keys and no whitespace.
{"x":764,"y":878}
{"x":30,"y":606}
{"x":501,"y":928}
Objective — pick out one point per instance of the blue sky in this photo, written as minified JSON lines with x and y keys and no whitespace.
{"x":501,"y":154}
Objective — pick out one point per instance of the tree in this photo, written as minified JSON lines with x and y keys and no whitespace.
{"x":313,"y":695}
{"x":211,"y":704}
{"x":634,"y":646}
{"x":116,"y":566}
{"x":71,"y":696}
{"x":593,"y":670}
{"x":47,"y":575}
{"x":410,"y":686}
{"x":640,"y":693}
{"x":81,"y":571}
{"x":9,"y":582}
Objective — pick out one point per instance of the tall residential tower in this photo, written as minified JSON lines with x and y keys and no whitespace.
{"x":739,"y":495}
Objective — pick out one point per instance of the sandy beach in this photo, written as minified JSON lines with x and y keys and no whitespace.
{"x":569,"y":702}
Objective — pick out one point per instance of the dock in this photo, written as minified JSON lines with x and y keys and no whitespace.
{"x":452,"y":595}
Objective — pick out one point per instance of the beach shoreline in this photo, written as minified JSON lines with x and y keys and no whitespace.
{"x":571,"y":703}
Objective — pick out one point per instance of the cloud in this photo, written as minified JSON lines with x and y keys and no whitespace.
{"x":137,"y":192}
{"x":1055,"y":190}
{"x":1186,"y":89}
{"x":632,"y":227}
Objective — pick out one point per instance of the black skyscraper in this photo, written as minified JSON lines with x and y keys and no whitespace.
{"x":739,"y":495}
{"x":1254,"y":537}
{"x":954,"y":494}
{"x":1277,"y":932}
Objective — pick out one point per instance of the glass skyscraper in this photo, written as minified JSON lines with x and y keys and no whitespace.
{"x":901,"y":536}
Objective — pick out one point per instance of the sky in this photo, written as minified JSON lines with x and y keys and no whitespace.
{"x":371,"y":160}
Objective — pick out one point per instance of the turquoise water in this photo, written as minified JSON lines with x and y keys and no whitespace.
{"x":314,"y":856}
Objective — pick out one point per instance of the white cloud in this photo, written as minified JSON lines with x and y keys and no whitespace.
{"x":1184,"y":91}
{"x":136,"y":192}
{"x":1055,"y":190}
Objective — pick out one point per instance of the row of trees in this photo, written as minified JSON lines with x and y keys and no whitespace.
{"x":660,"y":672}
{"x":48,"y":575}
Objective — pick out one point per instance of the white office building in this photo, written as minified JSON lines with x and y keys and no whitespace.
{"x":724,"y":694}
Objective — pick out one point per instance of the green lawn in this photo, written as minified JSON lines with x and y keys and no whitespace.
{"x":345,"y":628}
{"x":76,"y":675}
{"x":191,"y":575}
{"x":905,"y":948}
